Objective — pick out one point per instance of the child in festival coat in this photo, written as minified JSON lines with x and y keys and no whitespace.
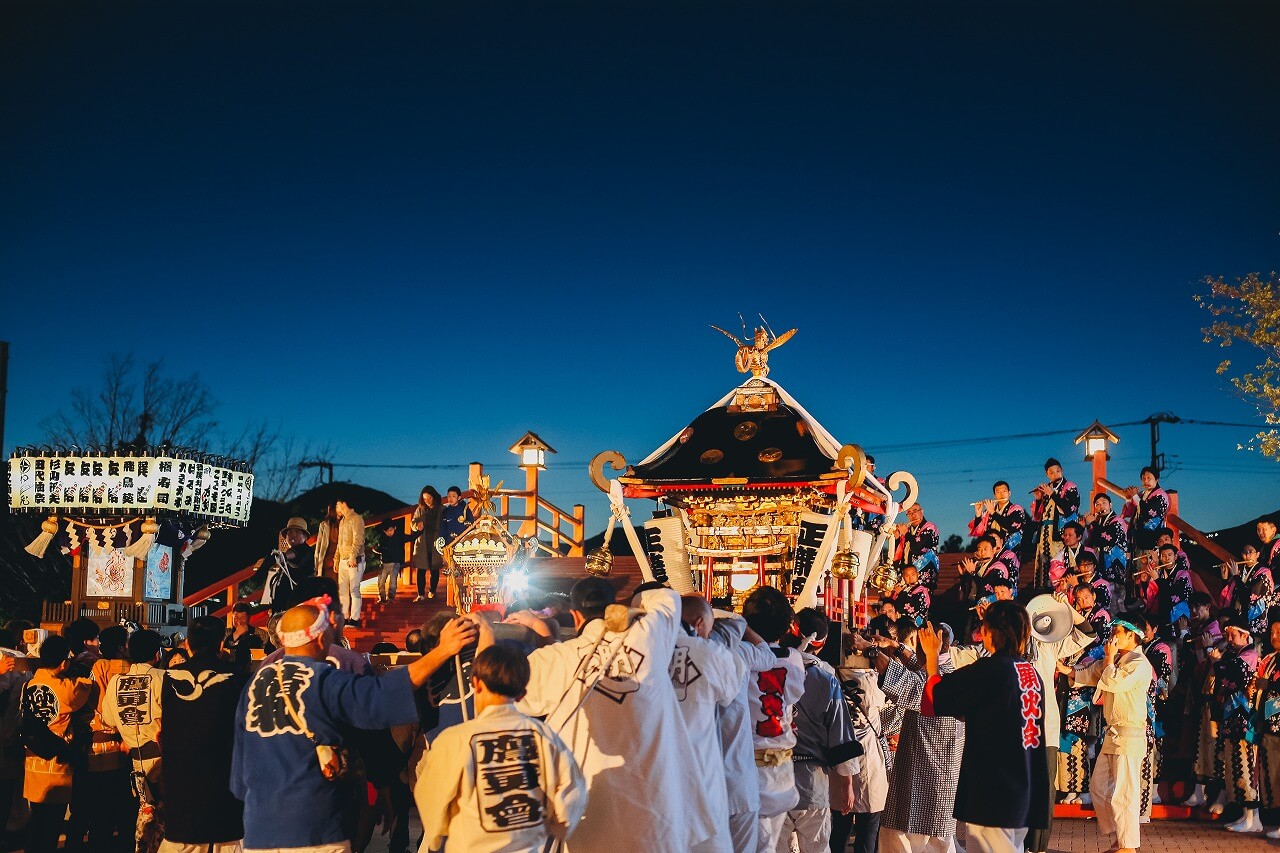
{"x":502,"y":781}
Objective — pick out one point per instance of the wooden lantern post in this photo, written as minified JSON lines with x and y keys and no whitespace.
{"x":1095,"y":440}
{"x":532,"y":452}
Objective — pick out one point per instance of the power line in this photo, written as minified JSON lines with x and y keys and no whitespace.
{"x":954,"y":442}
{"x":879,"y":448}
{"x":451,"y":466}
{"x":1221,"y":423}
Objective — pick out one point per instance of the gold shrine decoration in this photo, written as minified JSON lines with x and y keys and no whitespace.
{"x":481,"y":496}
{"x":479,"y":556}
{"x":790,"y":507}
{"x":485,"y":545}
{"x":754,"y":358}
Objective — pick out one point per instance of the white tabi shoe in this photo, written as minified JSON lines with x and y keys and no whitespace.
{"x":1219,"y":804}
{"x":1249,"y":823}
{"x":1070,"y":799}
{"x":1086,"y":799}
{"x":1155,"y":798}
{"x":1274,"y":833}
{"x":1196,"y":799}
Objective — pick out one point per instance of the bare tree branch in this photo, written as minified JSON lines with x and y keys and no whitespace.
{"x":129,"y":403}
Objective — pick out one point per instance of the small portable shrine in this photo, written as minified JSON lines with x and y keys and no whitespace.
{"x":486,"y":559}
{"x":754,"y":491}
{"x":128,"y":517}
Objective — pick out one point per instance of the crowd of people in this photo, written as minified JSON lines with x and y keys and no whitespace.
{"x":680,"y":727}
{"x":579,"y":722}
{"x":340,"y":552}
{"x":1210,"y":705}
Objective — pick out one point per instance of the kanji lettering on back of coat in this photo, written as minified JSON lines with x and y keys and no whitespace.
{"x":508,"y":780}
{"x":1032,"y":704}
{"x":267,"y":713}
{"x":772,"y":684}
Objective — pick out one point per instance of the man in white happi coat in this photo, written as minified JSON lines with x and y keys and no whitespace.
{"x":609,"y":697}
{"x":1121,"y":679}
{"x":707,"y":677}
{"x":131,"y":706}
{"x":742,"y":782}
{"x":772,"y":696}
{"x":500,"y":782}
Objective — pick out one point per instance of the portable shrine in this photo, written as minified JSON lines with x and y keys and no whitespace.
{"x":486,"y":560}
{"x":754,"y":491}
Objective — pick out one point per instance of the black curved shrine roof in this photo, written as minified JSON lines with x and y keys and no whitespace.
{"x":743,"y":451}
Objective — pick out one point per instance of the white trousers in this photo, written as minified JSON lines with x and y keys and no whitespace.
{"x":993,"y":839}
{"x":810,"y":829}
{"x":744,"y":829}
{"x":1116,"y":788}
{"x":349,"y":588}
{"x":770,"y":832}
{"x":897,"y":841}
{"x":718,"y":843}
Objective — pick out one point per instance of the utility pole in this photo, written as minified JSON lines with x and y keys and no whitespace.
{"x":1154,"y":421}
{"x":323,"y":466}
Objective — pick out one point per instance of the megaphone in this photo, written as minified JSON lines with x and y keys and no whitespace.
{"x":1051,"y":620}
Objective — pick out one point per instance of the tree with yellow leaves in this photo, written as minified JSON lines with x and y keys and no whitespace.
{"x":1248,"y":312}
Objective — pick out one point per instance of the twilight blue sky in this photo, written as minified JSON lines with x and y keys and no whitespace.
{"x":416,"y":230}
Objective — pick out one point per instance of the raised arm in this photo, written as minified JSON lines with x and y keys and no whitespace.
{"x":1085,"y":674}
{"x":1125,"y":676}
{"x":456,"y":635}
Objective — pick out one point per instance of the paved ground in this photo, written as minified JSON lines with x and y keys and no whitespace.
{"x":1161,"y":836}
{"x":1081,"y":836}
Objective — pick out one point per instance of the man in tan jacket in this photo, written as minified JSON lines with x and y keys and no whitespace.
{"x":350,"y":560}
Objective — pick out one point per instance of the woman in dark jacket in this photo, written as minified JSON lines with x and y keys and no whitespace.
{"x":425,"y":522}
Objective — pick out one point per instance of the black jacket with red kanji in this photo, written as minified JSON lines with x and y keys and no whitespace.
{"x":1004,"y":776}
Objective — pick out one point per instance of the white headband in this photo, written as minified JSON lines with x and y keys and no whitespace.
{"x":295,"y":639}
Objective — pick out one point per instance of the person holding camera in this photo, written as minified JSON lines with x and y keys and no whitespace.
{"x":866,"y":702}
{"x":917,"y":817}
